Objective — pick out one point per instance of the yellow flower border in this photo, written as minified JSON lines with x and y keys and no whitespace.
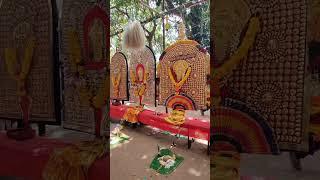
{"x":185,"y":41}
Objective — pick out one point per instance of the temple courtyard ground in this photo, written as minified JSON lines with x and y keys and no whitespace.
{"x":279,"y":167}
{"x":131,"y":161}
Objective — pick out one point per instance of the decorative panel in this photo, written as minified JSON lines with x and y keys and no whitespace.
{"x":142,"y":61}
{"x":84,"y":53}
{"x":272,"y":79}
{"x":184,"y":59}
{"x":20,"y":20}
{"x":119,"y":77}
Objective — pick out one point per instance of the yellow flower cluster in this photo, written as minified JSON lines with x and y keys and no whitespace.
{"x":131,"y":114}
{"x":100,"y":99}
{"x":178,"y":85}
{"x":74,"y":51}
{"x":11,"y":63}
{"x":115,"y":84}
{"x":177,"y":117}
{"x":132,"y":77}
{"x":141,"y":90}
{"x":86,"y":95}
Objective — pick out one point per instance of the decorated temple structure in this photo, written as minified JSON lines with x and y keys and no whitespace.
{"x":261,"y":78}
{"x":182,"y":85}
{"x":45,"y":85}
{"x":28,"y":67}
{"x":119,"y":78}
{"x":85,"y":63}
{"x":183,"y":77}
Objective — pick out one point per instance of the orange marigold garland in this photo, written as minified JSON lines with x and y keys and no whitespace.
{"x":25,"y":100}
{"x":240,"y":54}
{"x":178,"y":85}
{"x":141,"y":87}
{"x":131,"y":114}
{"x":115,"y":83}
{"x":86,"y":94}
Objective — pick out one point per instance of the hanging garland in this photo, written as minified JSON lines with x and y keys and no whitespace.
{"x":240,"y":54}
{"x":140,"y":91}
{"x":11,"y":63}
{"x":132,"y":77}
{"x":115,"y":84}
{"x":178,"y":85}
{"x":86,"y":94}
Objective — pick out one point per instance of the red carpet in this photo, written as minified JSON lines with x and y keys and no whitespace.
{"x":28,"y":158}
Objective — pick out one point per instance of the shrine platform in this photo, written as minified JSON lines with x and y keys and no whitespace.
{"x":27,"y":159}
{"x":192,"y":128}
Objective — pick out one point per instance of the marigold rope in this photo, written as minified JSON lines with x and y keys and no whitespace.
{"x":178,"y":85}
{"x":11,"y":63}
{"x":240,"y":54}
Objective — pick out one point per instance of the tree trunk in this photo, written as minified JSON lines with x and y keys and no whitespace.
{"x":149,"y":39}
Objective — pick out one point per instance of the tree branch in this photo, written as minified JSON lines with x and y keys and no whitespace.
{"x":184,"y":6}
{"x":123,"y":12}
{"x":170,"y":5}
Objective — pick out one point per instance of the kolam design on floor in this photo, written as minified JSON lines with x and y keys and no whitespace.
{"x":85,"y":30}
{"x":183,"y":77}
{"x":142,"y":73}
{"x":282,"y":78}
{"x":26,"y":31}
{"x":119,"y":77}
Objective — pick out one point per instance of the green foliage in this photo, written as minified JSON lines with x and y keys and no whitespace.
{"x":195,"y":18}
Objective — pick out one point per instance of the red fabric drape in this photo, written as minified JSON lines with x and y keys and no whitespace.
{"x":195,"y":128}
{"x":28,"y":158}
